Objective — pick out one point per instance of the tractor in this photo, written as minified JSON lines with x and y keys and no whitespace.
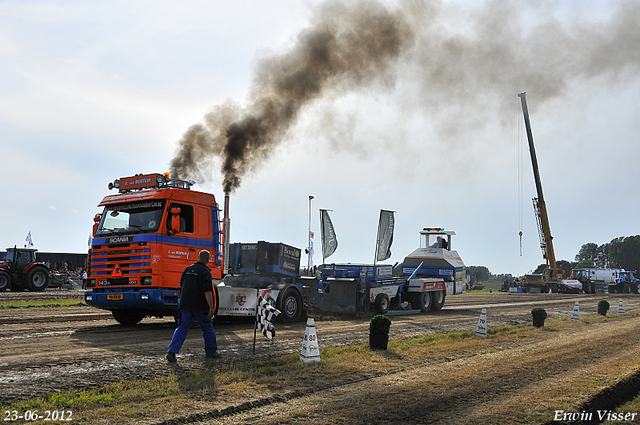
{"x":20,"y":270}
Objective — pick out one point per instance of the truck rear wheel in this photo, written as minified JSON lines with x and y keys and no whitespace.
{"x":127,"y":317}
{"x":290,"y":305}
{"x":438,"y":300}
{"x":382,"y":303}
{"x":422,"y":301}
{"x":5,"y":280}
{"x":37,"y":279}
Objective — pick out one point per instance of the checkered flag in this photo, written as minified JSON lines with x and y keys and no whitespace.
{"x":265,"y":319}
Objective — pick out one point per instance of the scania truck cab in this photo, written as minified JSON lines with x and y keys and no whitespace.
{"x":145,"y":237}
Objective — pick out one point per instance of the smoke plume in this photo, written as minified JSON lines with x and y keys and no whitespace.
{"x":459,"y":67}
{"x":346,"y":45}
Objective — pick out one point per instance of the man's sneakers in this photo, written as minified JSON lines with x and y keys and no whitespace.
{"x":172,"y":356}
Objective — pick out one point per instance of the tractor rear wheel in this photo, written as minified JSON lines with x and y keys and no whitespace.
{"x":37,"y":279}
{"x":5,"y":280}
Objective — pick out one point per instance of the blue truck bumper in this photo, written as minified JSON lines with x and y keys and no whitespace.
{"x":152,"y":301}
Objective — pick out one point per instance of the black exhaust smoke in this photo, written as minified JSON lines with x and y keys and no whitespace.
{"x":460,"y":79}
{"x":348,"y":45}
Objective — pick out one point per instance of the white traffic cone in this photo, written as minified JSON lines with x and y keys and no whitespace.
{"x":575,"y":316}
{"x":310,"y":351}
{"x":481,"y":329}
{"x":620,"y":307}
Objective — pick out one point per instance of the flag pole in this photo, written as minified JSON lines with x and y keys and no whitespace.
{"x":322,"y":237}
{"x":309,"y":240}
{"x":255,"y":323}
{"x":375,"y":255}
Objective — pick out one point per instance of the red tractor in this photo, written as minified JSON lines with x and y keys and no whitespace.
{"x":20,"y":271}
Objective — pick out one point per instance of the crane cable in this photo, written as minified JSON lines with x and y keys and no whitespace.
{"x":520,"y":179}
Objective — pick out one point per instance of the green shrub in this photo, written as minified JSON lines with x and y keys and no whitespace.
{"x":379,"y":324}
{"x":603,"y":305}
{"x":539,"y":313}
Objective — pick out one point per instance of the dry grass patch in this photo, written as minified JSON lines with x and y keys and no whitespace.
{"x":526,"y":371}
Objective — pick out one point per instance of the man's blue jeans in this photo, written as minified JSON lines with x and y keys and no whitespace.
{"x":208,"y":333}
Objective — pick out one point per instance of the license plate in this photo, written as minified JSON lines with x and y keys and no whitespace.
{"x":115,"y":297}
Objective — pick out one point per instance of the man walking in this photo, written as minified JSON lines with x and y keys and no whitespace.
{"x":197,"y":302}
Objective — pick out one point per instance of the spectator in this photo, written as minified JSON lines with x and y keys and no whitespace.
{"x":197,"y":302}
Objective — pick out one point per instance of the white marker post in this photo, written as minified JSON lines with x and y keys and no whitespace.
{"x":575,"y":316}
{"x":620,"y":307}
{"x":310,"y":351}
{"x":481,"y":329}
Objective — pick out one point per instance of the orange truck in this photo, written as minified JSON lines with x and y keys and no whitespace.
{"x":147,"y":234}
{"x":153,"y":228}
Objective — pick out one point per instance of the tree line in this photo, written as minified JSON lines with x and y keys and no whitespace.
{"x":622,"y":252}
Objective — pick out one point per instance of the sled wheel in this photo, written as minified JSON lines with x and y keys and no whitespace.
{"x":438,"y":300}
{"x":382,"y":303}
{"x":290,"y":305}
{"x":422,"y":301}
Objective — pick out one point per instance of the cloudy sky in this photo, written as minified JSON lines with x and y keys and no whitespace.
{"x":431,"y":128}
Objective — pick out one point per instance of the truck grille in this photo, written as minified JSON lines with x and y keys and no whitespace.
{"x":119,"y":264}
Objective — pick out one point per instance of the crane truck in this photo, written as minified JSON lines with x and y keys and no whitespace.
{"x":552,"y":278}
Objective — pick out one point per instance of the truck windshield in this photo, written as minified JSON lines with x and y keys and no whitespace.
{"x":137,"y":217}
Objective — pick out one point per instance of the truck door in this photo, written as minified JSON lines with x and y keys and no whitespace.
{"x":178,"y":250}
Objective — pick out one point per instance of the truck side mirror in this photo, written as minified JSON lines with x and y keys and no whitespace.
{"x":96,"y":221}
{"x":174,"y":226}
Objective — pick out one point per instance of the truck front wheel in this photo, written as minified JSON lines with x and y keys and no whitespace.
{"x":127,"y":317}
{"x":290,"y":305}
{"x":438,"y":300}
{"x":5,"y":280}
{"x":37,"y":279}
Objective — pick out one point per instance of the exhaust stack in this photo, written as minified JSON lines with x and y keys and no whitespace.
{"x":226,"y":230}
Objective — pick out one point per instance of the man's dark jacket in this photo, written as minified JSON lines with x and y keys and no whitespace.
{"x":195,"y":281}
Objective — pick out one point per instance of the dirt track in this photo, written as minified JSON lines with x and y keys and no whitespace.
{"x":77,"y":348}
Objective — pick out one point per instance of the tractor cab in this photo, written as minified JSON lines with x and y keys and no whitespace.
{"x":20,"y":258}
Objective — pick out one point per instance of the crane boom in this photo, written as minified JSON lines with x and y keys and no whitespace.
{"x":540,"y":207}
